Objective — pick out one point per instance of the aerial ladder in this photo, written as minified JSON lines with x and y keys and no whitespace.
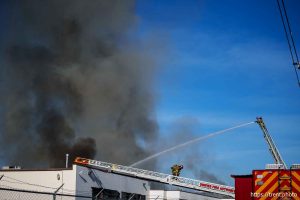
{"x":272,"y":147}
{"x":199,"y":185}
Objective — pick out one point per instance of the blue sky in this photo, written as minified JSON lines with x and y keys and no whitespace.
{"x":224,"y":63}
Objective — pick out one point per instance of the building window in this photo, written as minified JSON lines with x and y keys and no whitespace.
{"x":105,"y":194}
{"x":132,"y":196}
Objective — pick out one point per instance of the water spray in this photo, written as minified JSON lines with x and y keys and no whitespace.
{"x":189,"y":142}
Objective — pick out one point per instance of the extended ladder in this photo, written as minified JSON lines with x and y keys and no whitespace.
{"x":272,"y":147}
{"x":156,"y":176}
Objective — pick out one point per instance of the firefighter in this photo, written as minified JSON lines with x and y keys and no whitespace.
{"x":176,"y":169}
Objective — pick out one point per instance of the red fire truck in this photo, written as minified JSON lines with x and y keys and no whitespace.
{"x":276,"y":182}
{"x":272,"y":183}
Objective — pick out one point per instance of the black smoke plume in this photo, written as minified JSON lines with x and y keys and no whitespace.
{"x":73,"y":79}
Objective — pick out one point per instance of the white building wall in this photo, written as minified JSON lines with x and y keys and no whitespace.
{"x":76,"y":181}
{"x":174,"y":195}
{"x":156,"y":194}
{"x":47,"y":181}
{"x":85,"y":181}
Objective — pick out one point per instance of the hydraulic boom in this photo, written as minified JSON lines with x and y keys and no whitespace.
{"x":272,"y":147}
{"x":156,"y":176}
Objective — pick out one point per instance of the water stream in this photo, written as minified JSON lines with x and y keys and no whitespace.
{"x":188,"y":143}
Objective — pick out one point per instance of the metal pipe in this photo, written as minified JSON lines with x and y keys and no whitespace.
{"x":131,"y":197}
{"x":67,"y":160}
{"x":55,"y":192}
{"x":99,"y":193}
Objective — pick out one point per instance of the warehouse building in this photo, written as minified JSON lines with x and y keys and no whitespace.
{"x":88,"y":179}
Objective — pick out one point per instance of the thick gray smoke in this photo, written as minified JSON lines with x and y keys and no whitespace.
{"x":74,"y":83}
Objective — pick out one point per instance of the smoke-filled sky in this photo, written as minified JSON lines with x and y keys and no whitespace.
{"x":119,"y":80}
{"x":74,"y":83}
